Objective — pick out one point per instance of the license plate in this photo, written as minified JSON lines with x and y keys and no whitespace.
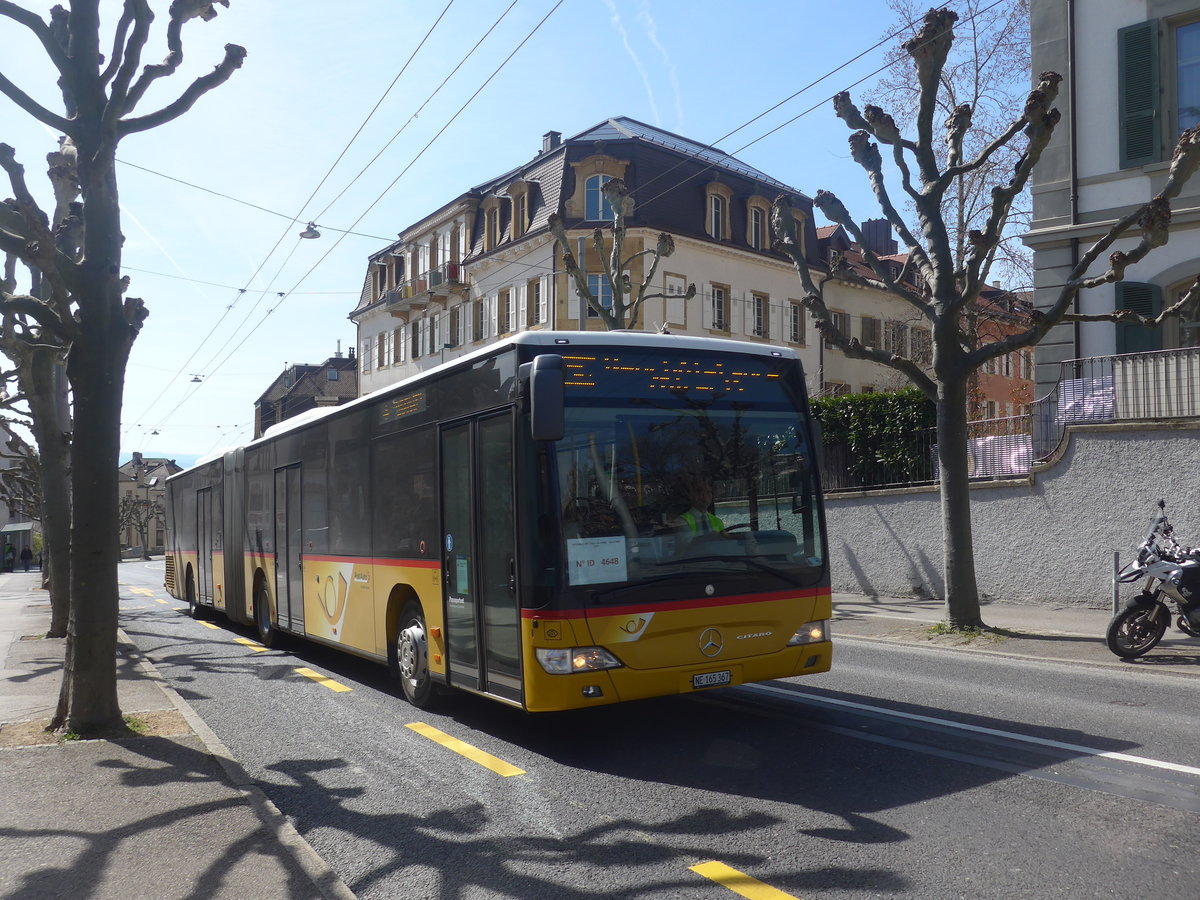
{"x":712,"y":679}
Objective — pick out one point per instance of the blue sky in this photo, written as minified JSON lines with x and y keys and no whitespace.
{"x":312,"y":75}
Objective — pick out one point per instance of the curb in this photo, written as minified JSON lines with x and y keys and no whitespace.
{"x":318,"y":871}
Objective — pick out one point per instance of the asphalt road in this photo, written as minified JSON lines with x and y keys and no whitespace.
{"x":906,"y":771}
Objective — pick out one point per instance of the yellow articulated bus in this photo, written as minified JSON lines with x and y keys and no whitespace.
{"x":561,"y":520}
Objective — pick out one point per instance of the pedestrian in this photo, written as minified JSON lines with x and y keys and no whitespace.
{"x":10,"y":557}
{"x":39,"y":560}
{"x":26,"y":557}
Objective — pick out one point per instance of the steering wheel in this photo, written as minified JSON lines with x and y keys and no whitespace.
{"x":736,"y":527}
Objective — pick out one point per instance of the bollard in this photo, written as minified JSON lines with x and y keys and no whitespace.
{"x":1116,"y":597}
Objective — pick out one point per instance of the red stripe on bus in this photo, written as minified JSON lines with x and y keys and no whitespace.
{"x":697,"y":603}
{"x":356,"y":560}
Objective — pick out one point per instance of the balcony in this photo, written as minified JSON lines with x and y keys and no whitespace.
{"x":446,"y":279}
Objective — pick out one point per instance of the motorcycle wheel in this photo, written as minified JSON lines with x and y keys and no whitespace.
{"x":1187,"y":627}
{"x":1132,"y":632}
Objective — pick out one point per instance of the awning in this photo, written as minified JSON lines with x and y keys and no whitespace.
{"x":14,"y":527}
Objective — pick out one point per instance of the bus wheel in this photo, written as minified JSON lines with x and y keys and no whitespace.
{"x":195,"y":610}
{"x":412,"y":658}
{"x":267,"y":635}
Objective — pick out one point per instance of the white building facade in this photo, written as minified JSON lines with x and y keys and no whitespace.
{"x":485,"y":265}
{"x":1131,"y":84}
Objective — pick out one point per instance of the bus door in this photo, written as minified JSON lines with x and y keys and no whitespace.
{"x":204,"y":544}
{"x":289,"y":575}
{"x":479,"y":556}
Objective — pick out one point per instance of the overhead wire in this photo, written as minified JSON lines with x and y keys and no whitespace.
{"x":284,"y":295}
{"x":242,"y":291}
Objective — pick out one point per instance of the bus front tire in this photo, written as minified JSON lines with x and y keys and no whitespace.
{"x":267,"y":635}
{"x":412,"y":658}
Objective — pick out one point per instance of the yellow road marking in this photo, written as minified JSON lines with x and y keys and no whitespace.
{"x":253,"y":645}
{"x":163,"y":602}
{"x":497,"y":765}
{"x":322,"y":680}
{"x":145,"y":592}
{"x":210,"y":625}
{"x":738,"y":882}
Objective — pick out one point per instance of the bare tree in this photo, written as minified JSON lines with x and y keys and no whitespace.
{"x":945,"y":285}
{"x":988,"y":70}
{"x":626,"y":299}
{"x":140,"y":513}
{"x":79,"y":303}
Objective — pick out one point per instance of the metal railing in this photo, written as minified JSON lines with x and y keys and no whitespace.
{"x":1163,"y":384}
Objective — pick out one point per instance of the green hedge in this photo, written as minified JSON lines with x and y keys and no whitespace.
{"x":876,"y":438}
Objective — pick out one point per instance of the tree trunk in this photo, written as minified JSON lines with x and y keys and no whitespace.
{"x":54,"y":447}
{"x":958,"y":553}
{"x":96,"y":364}
{"x":88,"y":700}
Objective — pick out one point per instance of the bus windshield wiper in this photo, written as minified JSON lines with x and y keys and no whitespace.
{"x":757,"y":563}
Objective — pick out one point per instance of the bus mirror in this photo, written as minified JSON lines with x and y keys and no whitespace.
{"x":546,"y":397}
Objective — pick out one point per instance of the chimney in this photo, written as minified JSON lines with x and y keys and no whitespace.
{"x":551,"y":140}
{"x":338,"y":355}
{"x":877,"y":235}
{"x":137,"y":460}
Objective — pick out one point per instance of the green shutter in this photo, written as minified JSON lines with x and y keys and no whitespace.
{"x":1145,"y":300}
{"x":1137,"y":68}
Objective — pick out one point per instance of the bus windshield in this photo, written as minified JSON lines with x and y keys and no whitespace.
{"x":692,"y":469}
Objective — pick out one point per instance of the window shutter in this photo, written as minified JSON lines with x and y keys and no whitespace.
{"x":1146,"y":300}
{"x":1139,"y":101}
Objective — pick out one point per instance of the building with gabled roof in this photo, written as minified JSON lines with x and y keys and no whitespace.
{"x":485,"y":264}
{"x":304,"y":386}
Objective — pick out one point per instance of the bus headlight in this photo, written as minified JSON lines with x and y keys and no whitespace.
{"x":810,"y":633}
{"x":564,"y":661}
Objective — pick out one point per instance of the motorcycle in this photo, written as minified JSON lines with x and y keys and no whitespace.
{"x":1173,"y":574}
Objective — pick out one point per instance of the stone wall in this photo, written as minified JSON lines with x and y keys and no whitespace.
{"x":1048,"y":539}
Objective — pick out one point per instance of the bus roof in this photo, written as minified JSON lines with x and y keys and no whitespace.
{"x":558,"y":339}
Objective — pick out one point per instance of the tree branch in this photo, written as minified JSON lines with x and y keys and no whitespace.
{"x":234,"y":55}
{"x":42,"y":31}
{"x":35,"y":109}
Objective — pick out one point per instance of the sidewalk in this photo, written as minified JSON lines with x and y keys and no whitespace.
{"x":164,"y":817}
{"x":1067,"y":634}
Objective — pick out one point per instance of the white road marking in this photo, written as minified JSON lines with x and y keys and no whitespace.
{"x":977,"y":729}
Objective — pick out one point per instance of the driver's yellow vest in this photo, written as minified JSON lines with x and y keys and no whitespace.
{"x":703,"y":523}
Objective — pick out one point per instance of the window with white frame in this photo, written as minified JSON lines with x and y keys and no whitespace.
{"x":364,"y":355}
{"x":796,"y":322}
{"x":398,"y":345}
{"x":716,"y":217}
{"x":533,"y":302}
{"x":479,"y":331}
{"x":758,"y":227}
{"x":758,"y":307}
{"x":596,"y":207}
{"x":601,"y":291}
{"x":895,"y":338}
{"x":505,"y":311}
{"x":719,"y":306}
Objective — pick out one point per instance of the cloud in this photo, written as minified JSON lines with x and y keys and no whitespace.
{"x":615,"y":17}
{"x":647,"y":22}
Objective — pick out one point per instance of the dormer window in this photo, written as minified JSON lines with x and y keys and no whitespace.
{"x":519,"y":192}
{"x":717,"y":199}
{"x":491,"y":223}
{"x":596,"y":205}
{"x":758,"y":217}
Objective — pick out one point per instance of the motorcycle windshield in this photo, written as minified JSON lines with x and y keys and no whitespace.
{"x":1156,"y":525}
